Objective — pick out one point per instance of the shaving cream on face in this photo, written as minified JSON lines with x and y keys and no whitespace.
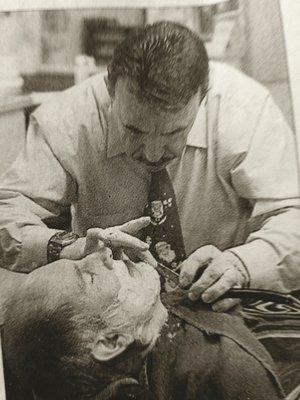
{"x":137,"y":309}
{"x":140,"y":287}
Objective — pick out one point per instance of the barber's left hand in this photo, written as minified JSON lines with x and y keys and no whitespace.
{"x":117,"y":236}
{"x":221,"y":272}
{"x":99,"y":240}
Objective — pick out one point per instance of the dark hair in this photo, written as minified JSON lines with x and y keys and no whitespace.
{"x":167,"y":61}
{"x":47,"y":352}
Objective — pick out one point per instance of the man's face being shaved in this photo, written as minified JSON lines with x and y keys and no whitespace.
{"x":86,"y":322}
{"x":127,"y":296}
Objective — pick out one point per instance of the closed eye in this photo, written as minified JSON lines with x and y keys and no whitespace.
{"x":178,"y":130}
{"x":134,"y":130}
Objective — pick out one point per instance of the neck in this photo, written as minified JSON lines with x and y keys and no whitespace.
{"x":9,"y":283}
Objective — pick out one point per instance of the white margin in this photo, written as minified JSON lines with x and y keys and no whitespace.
{"x":23,"y":5}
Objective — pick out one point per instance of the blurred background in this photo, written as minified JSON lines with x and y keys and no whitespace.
{"x":45,"y":51}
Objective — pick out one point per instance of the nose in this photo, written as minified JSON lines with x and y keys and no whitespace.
{"x":154,"y":148}
{"x":107,"y":257}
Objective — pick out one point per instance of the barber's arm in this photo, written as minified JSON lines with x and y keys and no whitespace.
{"x":270,"y":258}
{"x":37,"y":187}
{"x":34,"y":188}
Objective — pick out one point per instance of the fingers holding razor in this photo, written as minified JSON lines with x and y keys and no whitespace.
{"x":120,"y":240}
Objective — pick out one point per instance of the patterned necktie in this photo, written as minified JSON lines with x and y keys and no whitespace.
{"x":164,"y":233}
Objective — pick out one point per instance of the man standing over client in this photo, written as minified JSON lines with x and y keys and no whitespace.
{"x":203,"y":145}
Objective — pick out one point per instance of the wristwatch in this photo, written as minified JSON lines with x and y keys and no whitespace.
{"x":57,"y":242}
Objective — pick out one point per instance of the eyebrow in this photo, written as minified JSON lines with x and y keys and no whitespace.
{"x":179,"y":129}
{"x":80,"y":277}
{"x":133,"y":128}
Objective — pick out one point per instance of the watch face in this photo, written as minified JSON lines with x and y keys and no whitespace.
{"x":64,"y":238}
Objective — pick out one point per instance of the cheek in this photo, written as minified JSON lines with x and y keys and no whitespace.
{"x":101,"y":293}
{"x":61,"y":281}
{"x":133,"y":144}
{"x":151,"y":331}
{"x":176,"y":145}
{"x":69,"y":288}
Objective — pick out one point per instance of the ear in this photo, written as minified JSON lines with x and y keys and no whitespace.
{"x":109,"y":346}
{"x":110,"y":90}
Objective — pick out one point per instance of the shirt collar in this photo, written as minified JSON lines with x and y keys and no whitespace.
{"x":115,"y":143}
{"x":197,"y":136}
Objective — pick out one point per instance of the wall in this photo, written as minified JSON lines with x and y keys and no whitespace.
{"x":290,"y":16}
{"x":129,"y":17}
{"x":52,"y":37}
{"x":20,"y":36}
{"x":265,"y":56}
{"x":257,"y":47}
{"x":188,"y":16}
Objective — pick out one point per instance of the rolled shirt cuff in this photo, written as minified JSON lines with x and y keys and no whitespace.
{"x":261,"y":261}
{"x":239,"y":265}
{"x":34,"y":247}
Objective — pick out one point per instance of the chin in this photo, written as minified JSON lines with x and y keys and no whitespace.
{"x":151,"y":332}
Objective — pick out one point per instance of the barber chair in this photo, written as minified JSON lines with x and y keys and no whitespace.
{"x":277,"y":327}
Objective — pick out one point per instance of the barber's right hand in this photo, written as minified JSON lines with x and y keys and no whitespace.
{"x":101,"y":240}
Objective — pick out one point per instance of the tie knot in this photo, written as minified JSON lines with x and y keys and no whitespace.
{"x":160,"y":185}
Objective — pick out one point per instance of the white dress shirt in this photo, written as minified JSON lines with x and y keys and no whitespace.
{"x":236,"y":182}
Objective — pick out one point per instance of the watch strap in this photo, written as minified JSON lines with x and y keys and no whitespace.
{"x":57,"y":242}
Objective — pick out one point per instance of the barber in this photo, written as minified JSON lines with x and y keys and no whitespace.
{"x":163,"y":111}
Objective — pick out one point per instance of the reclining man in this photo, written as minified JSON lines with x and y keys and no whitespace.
{"x":82,"y":330}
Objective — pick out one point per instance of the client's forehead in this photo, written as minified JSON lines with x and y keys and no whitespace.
{"x":84,"y":280}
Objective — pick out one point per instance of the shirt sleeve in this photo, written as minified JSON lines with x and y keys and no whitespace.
{"x":35,"y":187}
{"x":268,"y":178}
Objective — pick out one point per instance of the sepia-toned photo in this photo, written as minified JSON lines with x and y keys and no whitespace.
{"x":150,"y":200}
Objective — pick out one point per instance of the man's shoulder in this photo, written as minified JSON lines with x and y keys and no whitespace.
{"x":75,"y":104}
{"x":75,"y":117}
{"x":232,"y":84}
{"x":241,"y":103}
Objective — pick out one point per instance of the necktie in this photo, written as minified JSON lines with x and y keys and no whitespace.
{"x":164,"y":233}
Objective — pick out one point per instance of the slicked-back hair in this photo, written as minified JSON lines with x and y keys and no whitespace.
{"x":166,"y":61}
{"x":48,"y":352}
